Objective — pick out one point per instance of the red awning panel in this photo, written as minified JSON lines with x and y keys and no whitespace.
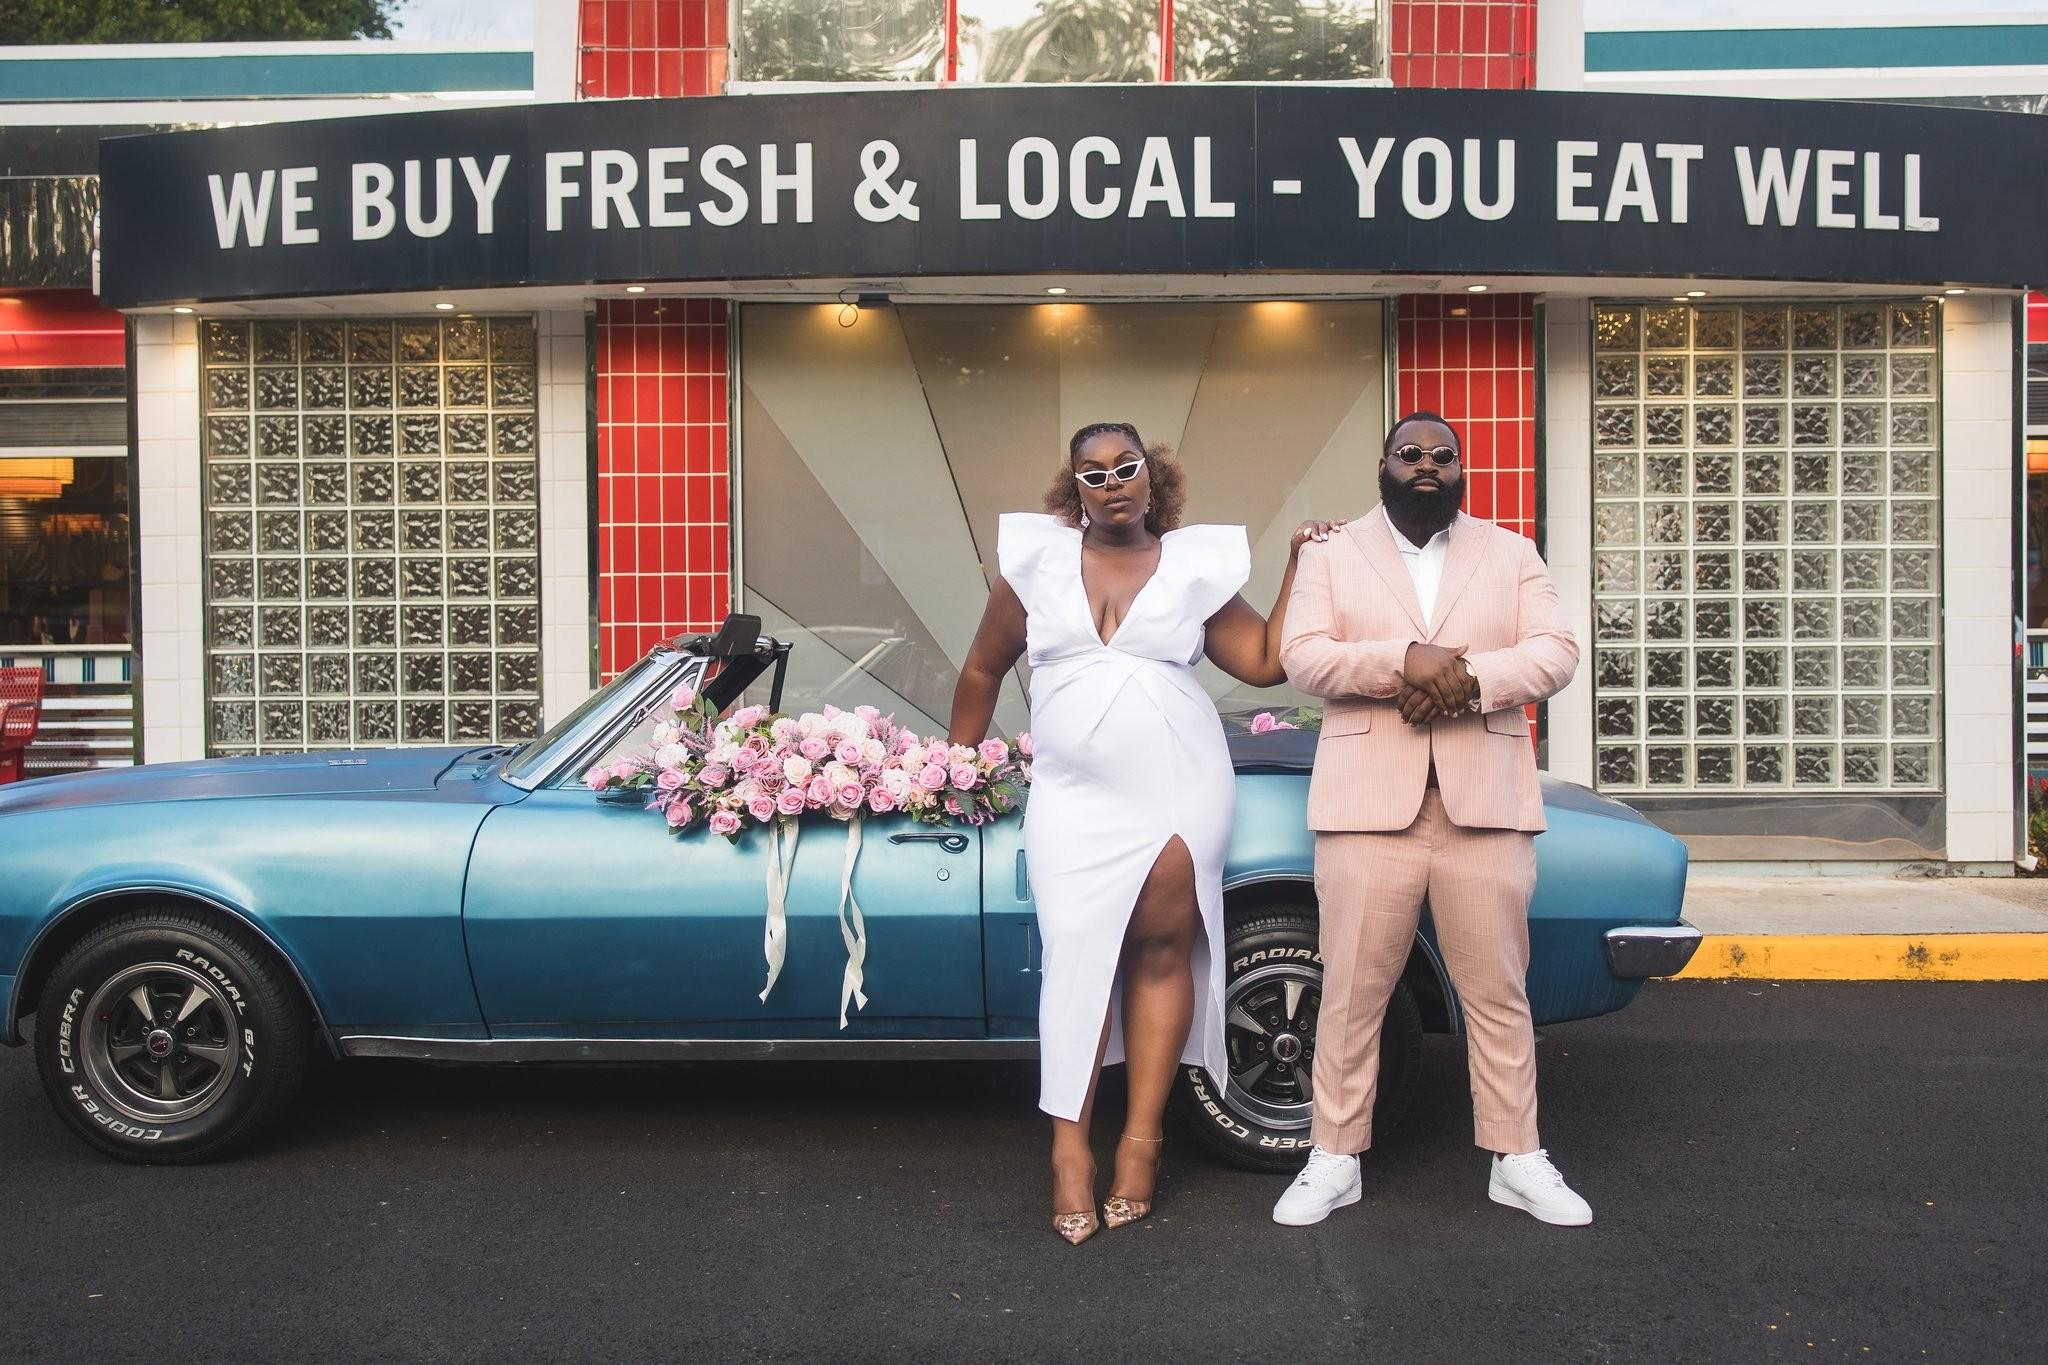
{"x":43,"y":329}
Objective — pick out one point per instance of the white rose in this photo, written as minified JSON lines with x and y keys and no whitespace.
{"x":897,"y":783}
{"x":724,"y":754}
{"x":665,"y":735}
{"x":796,"y":769}
{"x":850,"y":726}
{"x":671,"y":755}
{"x":726,"y":732}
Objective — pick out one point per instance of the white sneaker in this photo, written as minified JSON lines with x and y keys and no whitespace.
{"x":1328,"y":1182}
{"x":1530,"y":1183}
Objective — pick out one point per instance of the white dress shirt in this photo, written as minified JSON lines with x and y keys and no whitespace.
{"x":1425,"y":565}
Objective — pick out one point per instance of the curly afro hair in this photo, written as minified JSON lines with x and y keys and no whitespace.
{"x":1169,"y":481}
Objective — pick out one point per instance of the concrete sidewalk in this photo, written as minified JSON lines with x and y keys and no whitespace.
{"x":1826,"y":928}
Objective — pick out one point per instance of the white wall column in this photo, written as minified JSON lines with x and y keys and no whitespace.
{"x":171,"y":650}
{"x":1977,"y":626}
{"x":567,"y":634}
{"x":1567,"y":386}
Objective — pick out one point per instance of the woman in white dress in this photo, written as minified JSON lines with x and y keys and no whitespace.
{"x":1132,"y":789}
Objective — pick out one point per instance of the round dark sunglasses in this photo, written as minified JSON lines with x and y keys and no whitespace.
{"x":1439,"y":456}
{"x":1099,"y":478}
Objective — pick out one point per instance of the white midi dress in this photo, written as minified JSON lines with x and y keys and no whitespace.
{"x":1128,"y":753}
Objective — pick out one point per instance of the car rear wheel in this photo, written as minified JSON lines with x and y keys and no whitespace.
{"x":1272,"y":989}
{"x":168,"y":1036}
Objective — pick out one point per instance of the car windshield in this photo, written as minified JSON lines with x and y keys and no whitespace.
{"x":534,"y":758}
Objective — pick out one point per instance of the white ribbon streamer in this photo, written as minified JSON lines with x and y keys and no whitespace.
{"x":781,"y":860}
{"x":852,"y":929}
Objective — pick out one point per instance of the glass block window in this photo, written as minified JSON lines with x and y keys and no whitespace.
{"x":372,"y":533}
{"x":1766,"y":547}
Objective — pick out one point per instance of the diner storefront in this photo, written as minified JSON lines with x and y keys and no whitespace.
{"x":441,"y":416}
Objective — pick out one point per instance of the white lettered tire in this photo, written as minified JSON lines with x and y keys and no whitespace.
{"x":1258,"y":1118}
{"x":171,"y":1036}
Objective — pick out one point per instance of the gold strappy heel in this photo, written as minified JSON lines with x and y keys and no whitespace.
{"x":1117,"y":1211}
{"x":1075,"y":1228}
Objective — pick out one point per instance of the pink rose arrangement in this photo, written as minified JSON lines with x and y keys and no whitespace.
{"x":1265,"y":723}
{"x":756,"y":768}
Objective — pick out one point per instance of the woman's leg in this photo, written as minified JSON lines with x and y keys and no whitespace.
{"x":1159,"y":1007}
{"x":1073,"y":1163}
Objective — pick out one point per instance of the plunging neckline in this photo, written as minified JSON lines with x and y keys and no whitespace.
{"x":1130,"y":608}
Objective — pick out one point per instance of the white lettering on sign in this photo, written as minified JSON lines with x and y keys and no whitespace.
{"x":1367,"y":172}
{"x":241,"y":210}
{"x":1570,"y":180}
{"x":1080,"y":192}
{"x":297,"y":203}
{"x":1772,"y":186}
{"x":1089,"y":179}
{"x":369,"y":190}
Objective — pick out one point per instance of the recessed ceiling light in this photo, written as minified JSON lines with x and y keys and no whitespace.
{"x":1955,"y":291}
{"x":1695,"y":293}
{"x":445,"y":307}
{"x":181,"y":308}
{"x":636,"y":289}
{"x":1056,"y":289}
{"x":1475,"y":289}
{"x":1678,"y":298}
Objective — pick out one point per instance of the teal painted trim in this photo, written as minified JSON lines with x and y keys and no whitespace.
{"x":282,"y":76}
{"x":88,"y":670}
{"x":1805,"y":49}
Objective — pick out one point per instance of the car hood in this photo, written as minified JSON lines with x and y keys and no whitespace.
{"x":327,"y":773}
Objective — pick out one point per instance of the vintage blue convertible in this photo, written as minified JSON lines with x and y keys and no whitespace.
{"x":190,"y":937}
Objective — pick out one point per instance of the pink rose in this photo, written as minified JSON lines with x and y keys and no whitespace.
{"x":624,"y":769}
{"x":791,"y":802}
{"x":725,"y":822}
{"x":795,"y":770}
{"x":712,"y":775}
{"x":820,"y":790}
{"x":994,"y":751}
{"x":1024,"y":744}
{"x":598,"y":778}
{"x":762,"y":808}
{"x":829,"y":712}
{"x":679,"y":814}
{"x":848,"y":751}
{"x":850,"y":794}
{"x":683,"y":698}
{"x":965,"y":776}
{"x":1264,"y":724}
{"x":880,"y":802}
{"x":670,"y":779}
{"x":815,"y":749}
{"x":932,"y":778}
{"x":953,"y":806}
{"x":748,"y":717}
{"x":867,"y":713}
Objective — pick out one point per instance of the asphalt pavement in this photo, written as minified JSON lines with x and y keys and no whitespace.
{"x":1803,"y":1171}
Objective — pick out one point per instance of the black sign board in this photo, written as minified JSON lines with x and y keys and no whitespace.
{"x":1079,"y":179}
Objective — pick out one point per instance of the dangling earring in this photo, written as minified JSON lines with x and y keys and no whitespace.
{"x":1084,"y":520}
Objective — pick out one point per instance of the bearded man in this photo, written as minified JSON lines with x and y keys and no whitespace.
{"x":1427,"y":632}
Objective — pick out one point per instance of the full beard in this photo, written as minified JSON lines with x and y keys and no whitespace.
{"x":1431,"y":509}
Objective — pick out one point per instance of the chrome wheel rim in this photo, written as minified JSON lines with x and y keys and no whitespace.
{"x":159,"y":1042}
{"x":1269,"y":1034}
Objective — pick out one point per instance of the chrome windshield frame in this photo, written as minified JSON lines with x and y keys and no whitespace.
{"x":571,"y":748}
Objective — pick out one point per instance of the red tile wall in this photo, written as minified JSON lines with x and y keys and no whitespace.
{"x":651,"y":47}
{"x":664,"y":532}
{"x":1463,"y":44}
{"x":663,"y":474}
{"x":1472,"y":357}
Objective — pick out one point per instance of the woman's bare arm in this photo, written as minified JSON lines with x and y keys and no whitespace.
{"x":998,"y":644}
{"x":1246,"y":645}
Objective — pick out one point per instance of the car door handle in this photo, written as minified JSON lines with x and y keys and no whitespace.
{"x":952,"y":843}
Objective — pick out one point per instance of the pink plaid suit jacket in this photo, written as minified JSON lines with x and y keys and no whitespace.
{"x":1349,"y":623}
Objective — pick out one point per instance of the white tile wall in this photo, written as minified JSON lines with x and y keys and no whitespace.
{"x":568,"y":638}
{"x":172,"y":657}
{"x":1977,"y":626}
{"x":1568,"y":514}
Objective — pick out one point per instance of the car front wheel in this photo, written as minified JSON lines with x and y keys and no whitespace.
{"x":168,"y":1036}
{"x":1258,"y":1118}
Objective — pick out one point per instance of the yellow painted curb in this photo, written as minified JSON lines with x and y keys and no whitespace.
{"x":1870,"y":957}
